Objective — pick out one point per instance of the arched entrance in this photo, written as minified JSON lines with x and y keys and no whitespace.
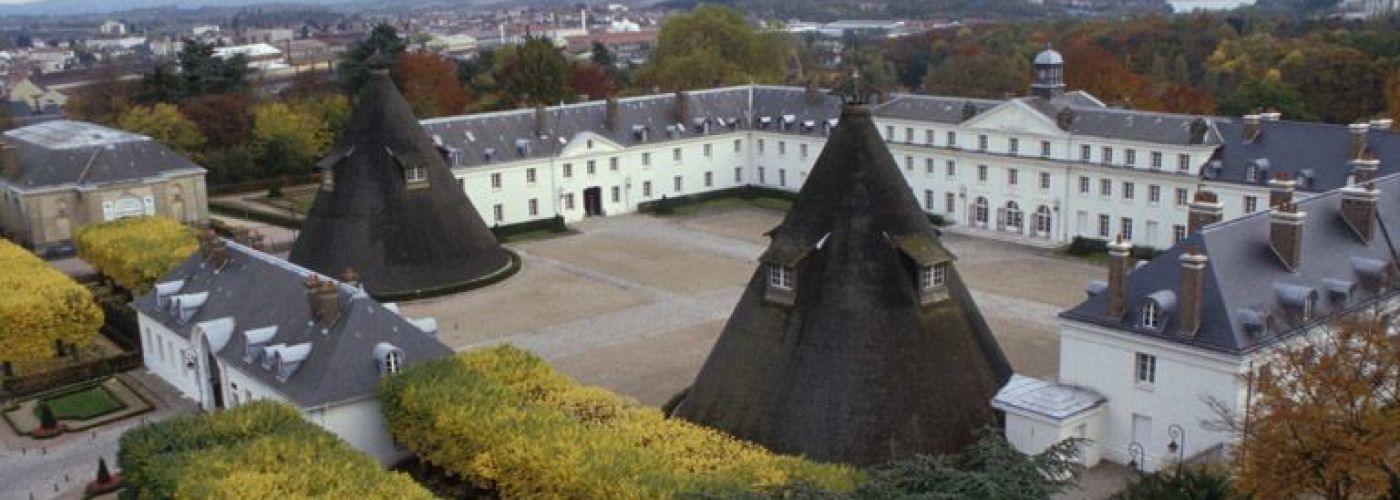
{"x":1042,"y":221}
{"x":1011,"y":218}
{"x":979,"y":212}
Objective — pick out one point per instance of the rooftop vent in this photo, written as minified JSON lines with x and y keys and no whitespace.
{"x":254,"y":340}
{"x":765,"y":121}
{"x":488,"y":154}
{"x":287,"y":359}
{"x":522,"y":147}
{"x":1252,"y":321}
{"x":184,"y":306}
{"x":388,"y":357}
{"x":1295,"y":297}
{"x":217,"y":332}
{"x":808,"y":125}
{"x":1339,"y":290}
{"x":639,"y":132}
{"x":165,"y":290}
{"x":1373,"y":271}
{"x":1095,"y":287}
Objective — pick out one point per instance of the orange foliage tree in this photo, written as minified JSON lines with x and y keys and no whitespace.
{"x":1325,"y":420}
{"x":429,"y":83}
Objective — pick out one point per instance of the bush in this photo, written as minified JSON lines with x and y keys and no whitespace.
{"x":937,"y":220}
{"x":136,"y":252}
{"x":504,"y":419}
{"x":1082,"y":246}
{"x":259,"y":450}
{"x":40,"y":306}
{"x":1142,"y":252}
{"x":1186,"y":483}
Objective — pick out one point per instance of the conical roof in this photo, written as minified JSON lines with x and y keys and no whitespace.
{"x":391,"y":210}
{"x":859,"y":362}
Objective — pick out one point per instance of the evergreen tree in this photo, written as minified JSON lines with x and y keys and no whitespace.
{"x":46,"y":418}
{"x":103,"y":475}
{"x":536,"y":73}
{"x":352,"y":70}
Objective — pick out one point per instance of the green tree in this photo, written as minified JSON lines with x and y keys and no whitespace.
{"x":1186,"y":483}
{"x":162,"y":84}
{"x":287,"y":140}
{"x":352,"y":70}
{"x":202,"y":72}
{"x":1254,"y":95}
{"x":602,"y":56}
{"x":876,"y":72}
{"x":535,"y":73}
{"x":1343,"y":84}
{"x":990,"y":468}
{"x":712,"y":46}
{"x":164,"y":123}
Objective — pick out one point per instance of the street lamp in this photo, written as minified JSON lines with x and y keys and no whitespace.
{"x":1177,"y":444}
{"x":1137,"y":456}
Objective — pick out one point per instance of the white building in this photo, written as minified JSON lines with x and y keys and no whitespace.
{"x":112,"y":27}
{"x":232,"y":325}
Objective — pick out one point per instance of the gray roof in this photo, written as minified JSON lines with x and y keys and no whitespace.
{"x":1317,"y":154}
{"x":1049,"y":56}
{"x":1246,"y":282}
{"x":1093,"y":119}
{"x":63,"y":152}
{"x":258,"y":290}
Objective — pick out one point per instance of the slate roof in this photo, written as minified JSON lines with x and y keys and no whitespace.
{"x":857,"y":369}
{"x":62,"y":153}
{"x":258,"y":290}
{"x":399,"y":238}
{"x":1245,"y":281}
{"x":1315,"y":153}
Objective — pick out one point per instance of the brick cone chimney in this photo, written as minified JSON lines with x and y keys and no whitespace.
{"x":350,"y":277}
{"x":218,"y":253}
{"x":1193,"y":275}
{"x":1205,"y":210}
{"x":1359,"y":208}
{"x":1252,"y":127}
{"x":1117,"y":277}
{"x":1359,"y":133}
{"x":1363,"y":170}
{"x":1281,"y":189}
{"x":610,"y":119}
{"x":324,"y":298}
{"x":1286,"y":234}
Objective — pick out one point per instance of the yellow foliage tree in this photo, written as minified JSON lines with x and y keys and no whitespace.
{"x":40,"y":305}
{"x":136,"y":252}
{"x":289,"y":139}
{"x":164,"y":123}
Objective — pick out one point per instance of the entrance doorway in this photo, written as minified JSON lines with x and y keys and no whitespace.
{"x":593,"y":201}
{"x":216,"y":383}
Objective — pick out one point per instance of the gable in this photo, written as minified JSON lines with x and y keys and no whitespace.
{"x":1014,"y":116}
{"x":579,"y":145}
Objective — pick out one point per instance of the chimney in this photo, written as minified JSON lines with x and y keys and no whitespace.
{"x":1359,"y":208}
{"x":682,"y":106}
{"x":1286,"y":234}
{"x":1065,"y":118}
{"x":1363,"y":170}
{"x":812,"y":95}
{"x":324,"y":299}
{"x":1205,"y":210}
{"x":1193,"y":276}
{"x":1359,"y":132}
{"x":1251,"y":128}
{"x":218,"y":253}
{"x":206,"y":241}
{"x":1117,"y":277}
{"x":9,"y":161}
{"x":1281,"y":189}
{"x":610,"y":119}
{"x":350,"y":277}
{"x":541,"y":121}
{"x":1381,"y":124}
{"x":1270,"y":116}
{"x":1199,"y":128}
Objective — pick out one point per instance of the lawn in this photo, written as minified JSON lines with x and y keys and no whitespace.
{"x":83,"y":404}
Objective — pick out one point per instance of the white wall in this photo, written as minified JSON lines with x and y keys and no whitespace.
{"x":1031,"y":435}
{"x":161,"y":351}
{"x":361,"y":424}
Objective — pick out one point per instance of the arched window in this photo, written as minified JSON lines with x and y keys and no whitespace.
{"x":1151,"y":315}
{"x":1013,"y":216}
{"x":1042,"y":220}
{"x":979,"y":211}
{"x":393,"y":360}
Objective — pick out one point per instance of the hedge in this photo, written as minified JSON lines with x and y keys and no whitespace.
{"x":504,"y":420}
{"x":136,"y":252}
{"x":40,"y":306}
{"x":262,"y":449}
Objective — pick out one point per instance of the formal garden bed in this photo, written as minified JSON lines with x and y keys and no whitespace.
{"x":76,"y":408}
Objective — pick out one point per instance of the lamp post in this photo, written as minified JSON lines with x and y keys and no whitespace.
{"x":1136,"y":456}
{"x":1177,"y":444}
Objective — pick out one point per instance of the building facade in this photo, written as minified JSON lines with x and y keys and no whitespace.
{"x":57,"y":176}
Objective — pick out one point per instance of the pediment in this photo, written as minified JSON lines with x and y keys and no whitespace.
{"x":1015,"y":116}
{"x":580,"y":144}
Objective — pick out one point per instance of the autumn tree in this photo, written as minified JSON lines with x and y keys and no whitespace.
{"x":223,"y":119}
{"x":164,"y":123}
{"x":591,"y":80}
{"x":287,"y":140}
{"x":1343,"y":84}
{"x":103,"y":101}
{"x":1325,"y":417}
{"x":712,"y":46}
{"x":352,"y":71}
{"x":135,"y":252}
{"x":429,"y":83}
{"x":40,"y":306}
{"x":534,"y":73}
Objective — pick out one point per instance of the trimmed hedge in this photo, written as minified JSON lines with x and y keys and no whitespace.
{"x":1082,"y":246}
{"x":505,"y":420}
{"x":135,"y":252}
{"x":666,"y":205}
{"x":258,"y":450}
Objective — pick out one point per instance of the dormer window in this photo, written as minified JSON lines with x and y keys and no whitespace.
{"x":1151,"y":315}
{"x":780,"y":277}
{"x":393,"y":361}
{"x":933,"y":277}
{"x":415,"y":176}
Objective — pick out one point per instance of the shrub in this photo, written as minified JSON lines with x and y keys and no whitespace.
{"x":258,"y":450}
{"x":46,"y":417}
{"x":40,"y":306}
{"x":1142,"y":252}
{"x":136,"y":252}
{"x":504,"y":419}
{"x":1185,"y":483}
{"x":1081,"y":246}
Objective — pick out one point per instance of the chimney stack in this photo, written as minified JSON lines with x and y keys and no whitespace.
{"x":1252,"y":127}
{"x":324,"y":299}
{"x":1286,"y":234}
{"x":9,"y":161}
{"x":1118,"y":277}
{"x":1281,"y":189}
{"x":1193,"y":276}
{"x":611,"y":116}
{"x":206,"y":241}
{"x":1270,"y":116}
{"x":1359,"y":204}
{"x":218,"y":253}
{"x":1363,"y":170}
{"x":682,"y":106}
{"x":350,"y":277}
{"x":1359,"y":131}
{"x":541,"y":121}
{"x":812,"y":95}
{"x":1205,"y":210}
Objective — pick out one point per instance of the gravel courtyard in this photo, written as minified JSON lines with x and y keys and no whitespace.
{"x":634,"y":302}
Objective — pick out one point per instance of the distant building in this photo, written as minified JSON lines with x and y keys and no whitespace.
{"x":204,"y":30}
{"x":270,"y":36}
{"x":27,"y":98}
{"x":52,"y":59}
{"x":260,"y":56}
{"x":458,"y":45}
{"x":112,"y":27}
{"x":232,"y":325}
{"x":309,"y":52}
{"x":628,"y":47}
{"x":56,"y":176}
{"x":1185,"y":6}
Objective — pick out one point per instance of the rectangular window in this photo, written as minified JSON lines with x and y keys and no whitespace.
{"x":676,"y":154}
{"x":612,"y":164}
{"x":952,"y":139}
{"x":534,"y":207}
{"x":616,"y":194}
{"x":1107,"y":155}
{"x":1128,"y":190}
{"x":709,"y":179}
{"x":909,"y":135}
{"x":499,"y":211}
{"x":646,"y":189}
{"x":782,"y":147}
{"x":1105,"y":223}
{"x":1011,"y":176}
{"x":1105,"y":187}
{"x":1154,"y":194}
{"x":1146,"y":369}
{"x":1125,"y":228}
{"x":982,"y":143}
{"x":909,"y":163}
{"x":928,"y":166}
{"x":568,"y":201}
{"x":762,"y":179}
{"x":782,"y":177}
{"x":952,"y":168}
{"x":762,"y":145}
{"x":738,"y":145}
{"x":708,"y":150}
{"x":411,"y":175}
{"x":1181,"y":197}
{"x":676,"y":182}
{"x":1044,"y":180}
{"x":1178,"y":233}
{"x":1183,"y":163}
{"x":568,"y":170}
{"x":981,"y":173}
{"x":1084,"y":152}
{"x":1130,"y":157}
{"x":1156,"y":160}
{"x":592,"y":167}
{"x":780,"y":276}
{"x":496,"y":180}
{"x":1045,"y":148}
{"x":928,"y":136}
{"x":802,"y":148}
{"x":646,"y":159}
{"x":1013,"y":145}
{"x":1083,"y":185}
{"x":530,"y":175}
{"x":1251,"y":203}
{"x":738,"y":174}
{"x":928,"y":200}
{"x":933,"y":277}
{"x":889,"y":133}
{"x":950,"y":202}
